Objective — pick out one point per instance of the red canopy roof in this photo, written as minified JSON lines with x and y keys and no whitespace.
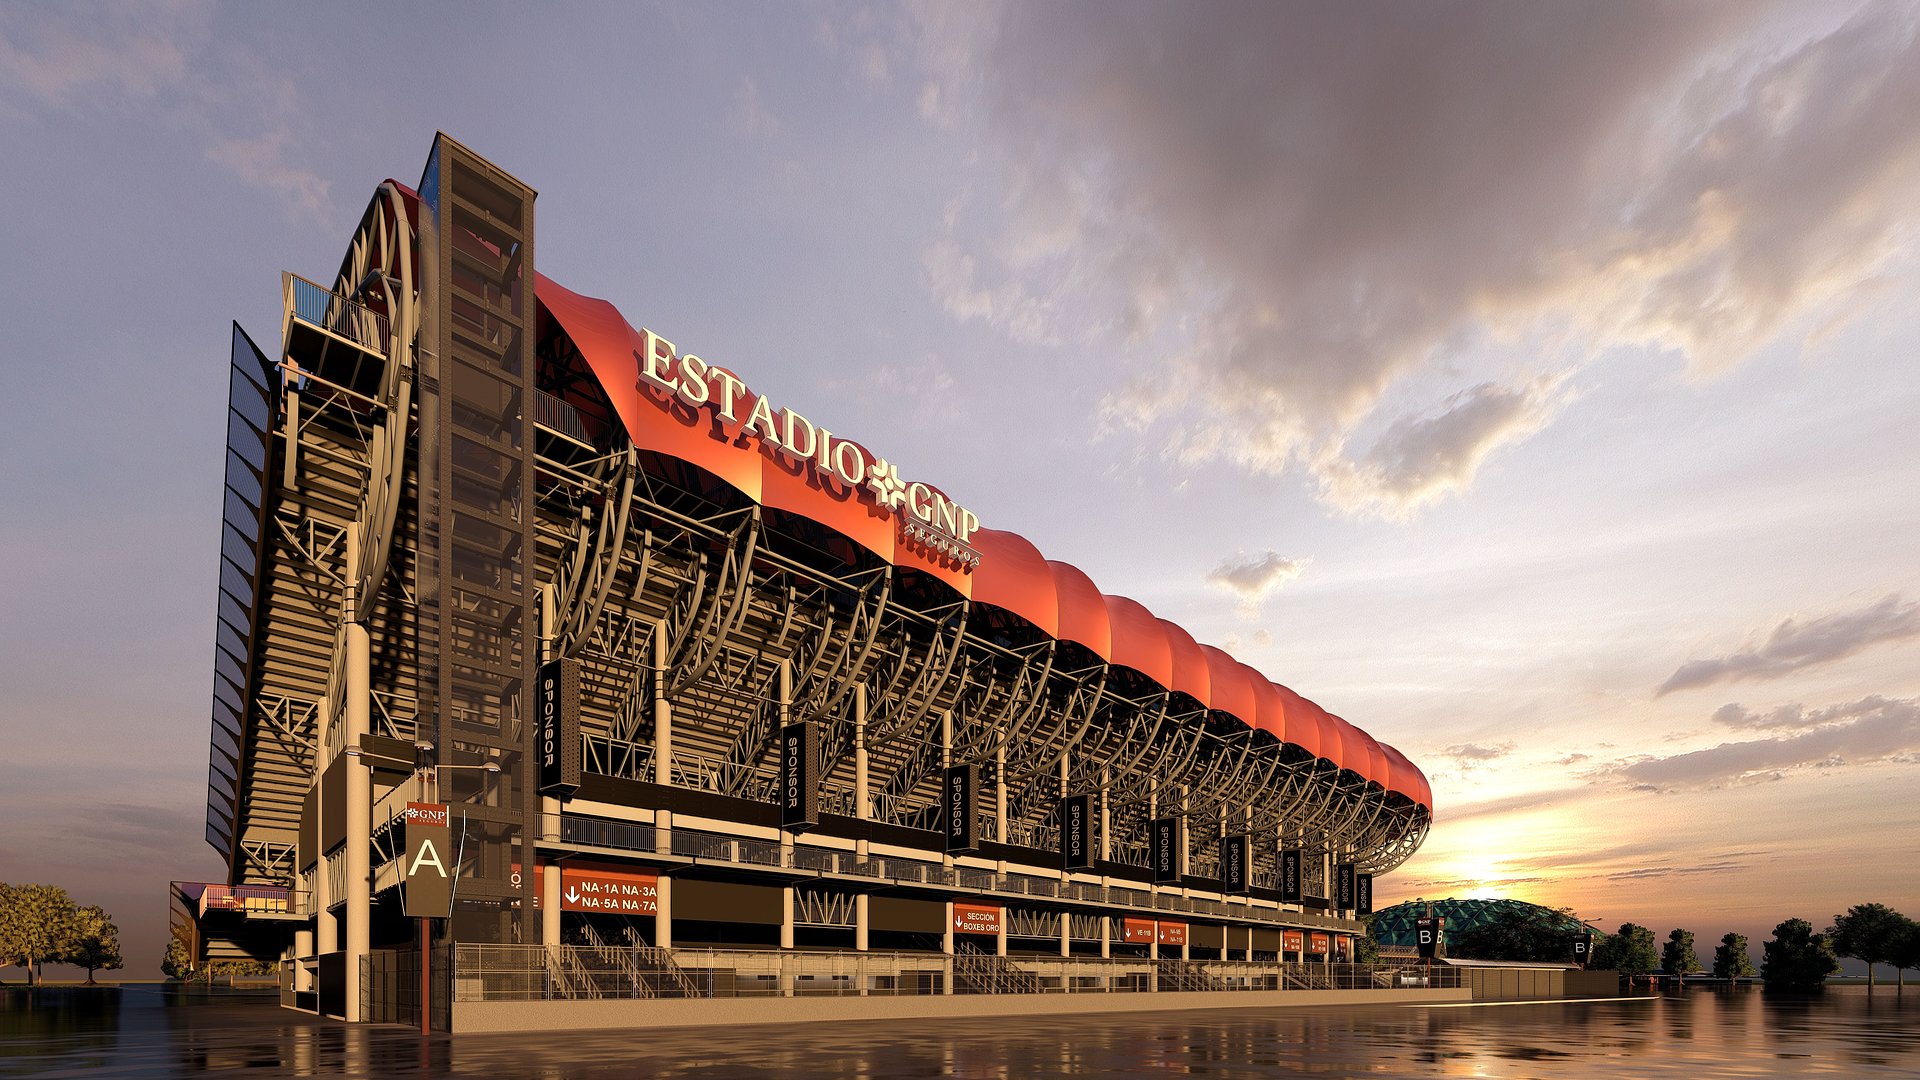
{"x":1056,"y":598}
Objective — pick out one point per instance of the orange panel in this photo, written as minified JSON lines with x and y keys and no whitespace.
{"x":1231,"y":683}
{"x":794,"y":487}
{"x":1138,"y":640}
{"x":1191,"y":675}
{"x":1015,"y":577}
{"x":1270,"y":710}
{"x":1083,"y":611}
{"x":1305,"y":728}
{"x":612,"y":349}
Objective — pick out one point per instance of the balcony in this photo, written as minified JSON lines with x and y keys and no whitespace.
{"x":334,"y":339}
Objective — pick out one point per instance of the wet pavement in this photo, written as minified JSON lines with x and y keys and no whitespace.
{"x":149,"y":1031}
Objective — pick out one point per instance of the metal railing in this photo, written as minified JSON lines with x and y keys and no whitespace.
{"x":709,"y":847}
{"x":576,"y":972}
{"x":337,"y":315}
{"x":253,"y":899}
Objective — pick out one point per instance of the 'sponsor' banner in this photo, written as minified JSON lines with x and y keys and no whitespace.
{"x":1363,"y":894}
{"x":1233,"y":863}
{"x":960,"y":808}
{"x":1164,"y":848}
{"x":1076,"y":832}
{"x":557,"y":727}
{"x":1290,"y":876}
{"x":799,"y":777}
{"x":1343,"y":887}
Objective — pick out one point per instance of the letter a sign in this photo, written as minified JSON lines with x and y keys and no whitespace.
{"x":428,"y":862}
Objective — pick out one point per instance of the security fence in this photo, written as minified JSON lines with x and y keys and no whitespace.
{"x":538,"y":973}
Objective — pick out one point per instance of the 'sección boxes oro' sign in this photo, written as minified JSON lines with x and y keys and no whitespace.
{"x":799,"y":776}
{"x":621,"y":892}
{"x":557,"y":726}
{"x":1076,"y":832}
{"x":428,"y":887}
{"x":960,"y":807}
{"x":1318,"y":943}
{"x":1293,"y":940}
{"x":1164,"y":843}
{"x":1138,"y":931}
{"x":1233,"y":864}
{"x":1290,"y":876}
{"x":976,"y":918}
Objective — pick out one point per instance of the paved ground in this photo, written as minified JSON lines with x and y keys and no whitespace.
{"x":141,"y":1032}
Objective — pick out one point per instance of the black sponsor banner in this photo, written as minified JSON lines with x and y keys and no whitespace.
{"x":428,"y":870}
{"x":1427,"y":935}
{"x":1582,"y":948}
{"x":1076,"y":832}
{"x":960,"y":808}
{"x":799,"y":777}
{"x":1233,"y":864}
{"x":1343,"y":886}
{"x":1363,"y":894}
{"x":1290,"y":876}
{"x":1164,"y":847}
{"x":556,"y":704}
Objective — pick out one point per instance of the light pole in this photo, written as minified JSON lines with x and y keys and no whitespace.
{"x":427,"y":771}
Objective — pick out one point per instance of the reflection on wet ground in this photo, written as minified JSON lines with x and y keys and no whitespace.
{"x":150,"y":1031}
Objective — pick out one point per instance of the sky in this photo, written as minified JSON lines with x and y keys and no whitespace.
{"x":1532,"y":385}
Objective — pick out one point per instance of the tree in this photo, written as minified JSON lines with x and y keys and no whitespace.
{"x":1629,"y":952}
{"x":1677,"y":956}
{"x":1366,"y":950}
{"x":1516,"y":933}
{"x":36,"y":925}
{"x":1730,"y":959}
{"x":178,"y":963}
{"x":1866,"y":932}
{"x":1797,"y":958}
{"x":1905,"y":952}
{"x":95,"y":944}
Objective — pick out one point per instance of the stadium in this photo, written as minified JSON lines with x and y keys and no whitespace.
{"x":555,"y":668}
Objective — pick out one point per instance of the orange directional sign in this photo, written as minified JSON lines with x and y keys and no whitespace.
{"x":621,"y":892}
{"x":975,"y":918}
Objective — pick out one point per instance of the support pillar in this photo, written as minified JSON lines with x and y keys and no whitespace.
{"x":663,"y":775}
{"x":549,"y":883}
{"x":786,"y":938}
{"x":359,"y":871}
{"x":302,"y":948}
{"x":863,"y":810}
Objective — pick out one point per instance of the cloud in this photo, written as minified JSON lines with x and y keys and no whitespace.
{"x":1471,"y":755}
{"x":1793,"y":645}
{"x":1650,"y":872}
{"x":112,"y":52}
{"x":1421,"y":459}
{"x":1253,"y":578}
{"x":1870,"y":730}
{"x":158,"y":59}
{"x":262,"y":162}
{"x":1312,"y":223}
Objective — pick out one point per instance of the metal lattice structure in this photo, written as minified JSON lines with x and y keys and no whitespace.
{"x":371,"y":469}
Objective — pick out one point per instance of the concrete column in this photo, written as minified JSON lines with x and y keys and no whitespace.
{"x":359,"y":785}
{"x":946,"y":935}
{"x":1000,"y":820}
{"x":302,"y":948}
{"x":1066,"y":933}
{"x":326,"y":930}
{"x":1000,"y":939}
{"x":663,"y":915}
{"x":786,"y":916}
{"x":662,"y":767}
{"x":863,"y":809}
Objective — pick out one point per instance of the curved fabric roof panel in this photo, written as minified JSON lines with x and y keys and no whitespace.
{"x":1191,"y":675}
{"x":1054,"y":597}
{"x":1139,"y":642}
{"x":1015,"y":577}
{"x":1083,"y":611}
{"x":1231,"y":684}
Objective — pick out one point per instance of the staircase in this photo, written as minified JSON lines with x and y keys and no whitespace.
{"x":983,"y":973}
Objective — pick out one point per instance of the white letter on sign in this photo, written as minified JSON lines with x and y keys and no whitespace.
{"x":426,"y":856}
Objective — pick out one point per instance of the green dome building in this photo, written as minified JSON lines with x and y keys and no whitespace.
{"x":1394,"y":926}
